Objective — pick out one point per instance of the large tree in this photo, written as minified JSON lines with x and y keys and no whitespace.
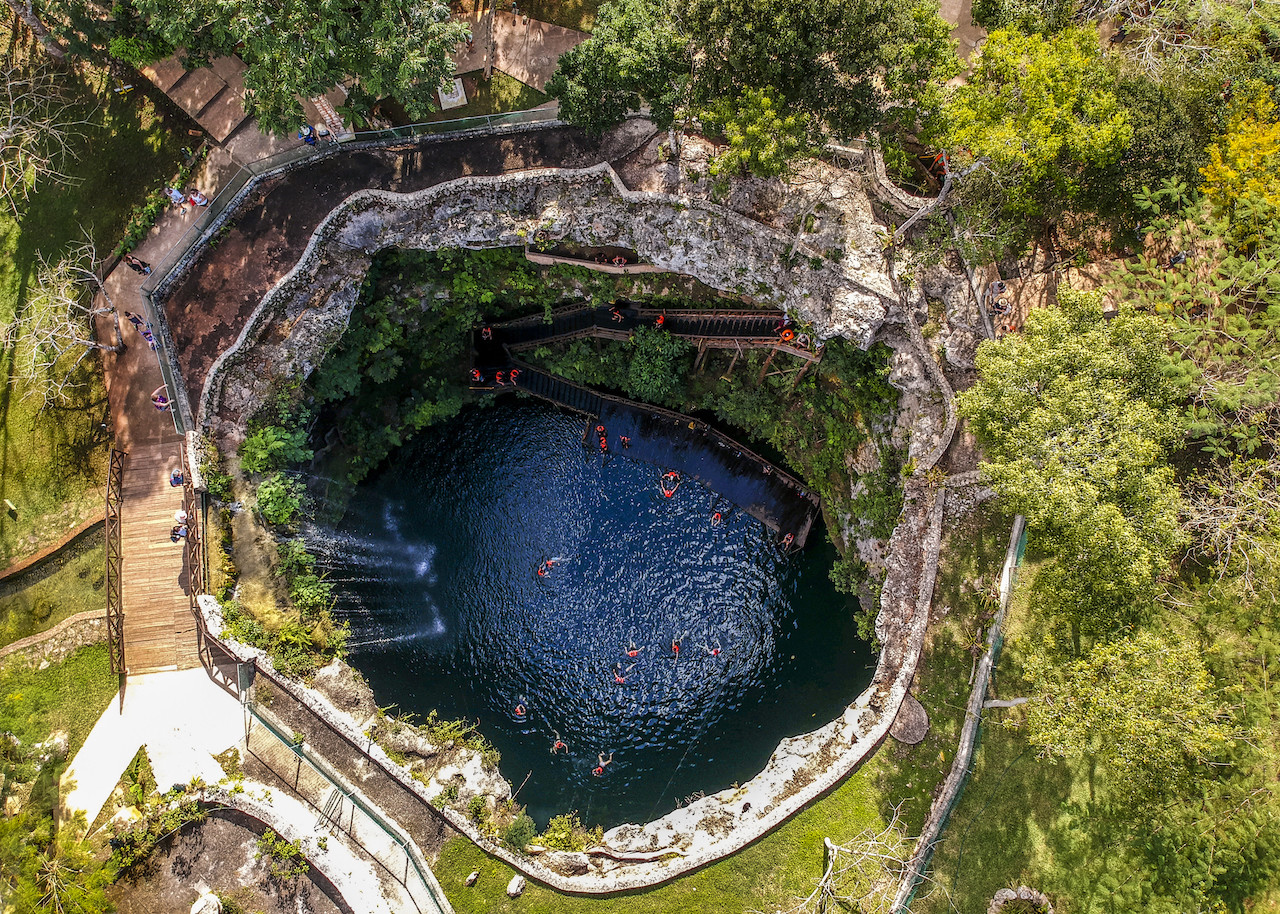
{"x":306,"y":47}
{"x":1074,"y":416}
{"x":1037,"y":110}
{"x":843,"y":65}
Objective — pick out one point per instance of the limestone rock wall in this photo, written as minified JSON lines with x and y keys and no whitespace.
{"x":307,"y":312}
{"x":851,"y":296}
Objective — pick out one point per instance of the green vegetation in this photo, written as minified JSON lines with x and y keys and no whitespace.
{"x":836,"y":68}
{"x":66,"y":585}
{"x":54,"y":459}
{"x":783,"y":865}
{"x":392,"y":47}
{"x":285,"y":861}
{"x":163,"y":815}
{"x":1147,"y":468}
{"x":43,"y":867}
{"x":68,"y":697}
{"x":497,"y":95}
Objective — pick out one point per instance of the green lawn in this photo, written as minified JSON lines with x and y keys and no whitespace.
{"x":768,"y":875}
{"x":68,"y":696}
{"x":500,"y":94}
{"x":42,"y":598}
{"x":53,"y":462}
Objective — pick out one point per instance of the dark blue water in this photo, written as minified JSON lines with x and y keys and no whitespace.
{"x":435,"y":566}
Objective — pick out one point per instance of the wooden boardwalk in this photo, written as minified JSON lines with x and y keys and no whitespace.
{"x":159,"y":629}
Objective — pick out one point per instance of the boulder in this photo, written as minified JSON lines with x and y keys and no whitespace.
{"x":515,"y":888}
{"x":912,"y":722}
{"x":207,"y":903}
{"x":473,"y":878}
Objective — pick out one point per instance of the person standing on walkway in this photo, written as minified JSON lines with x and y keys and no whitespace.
{"x":176,"y":197}
{"x":197,"y":197}
{"x":141,"y":267}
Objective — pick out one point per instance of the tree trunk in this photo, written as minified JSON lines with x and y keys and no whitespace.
{"x":28,"y":15}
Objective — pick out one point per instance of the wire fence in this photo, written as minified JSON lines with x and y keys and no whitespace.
{"x":962,"y":767}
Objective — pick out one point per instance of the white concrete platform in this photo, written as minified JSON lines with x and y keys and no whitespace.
{"x":182,"y":717}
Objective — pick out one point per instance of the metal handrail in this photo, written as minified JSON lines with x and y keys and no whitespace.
{"x":339,"y":783}
{"x":111,"y":527}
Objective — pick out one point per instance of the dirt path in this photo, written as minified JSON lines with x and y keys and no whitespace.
{"x":208,"y":308}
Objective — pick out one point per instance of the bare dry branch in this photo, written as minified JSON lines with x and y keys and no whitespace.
{"x":55,"y":330}
{"x":37,"y":127}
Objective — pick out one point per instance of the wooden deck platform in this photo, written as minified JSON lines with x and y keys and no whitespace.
{"x":159,"y":629}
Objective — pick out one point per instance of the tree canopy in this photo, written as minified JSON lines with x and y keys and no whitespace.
{"x":1146,"y":705}
{"x":306,"y":47}
{"x":1038,"y":109}
{"x":1075,"y":415}
{"x":842,"y":66}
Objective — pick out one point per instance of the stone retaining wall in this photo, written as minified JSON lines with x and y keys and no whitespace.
{"x":55,"y":645}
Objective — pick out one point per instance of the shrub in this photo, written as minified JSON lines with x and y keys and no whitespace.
{"x":279,"y":499}
{"x":285,"y":862}
{"x":272,"y":448}
{"x":565,"y":833}
{"x":519,"y":833}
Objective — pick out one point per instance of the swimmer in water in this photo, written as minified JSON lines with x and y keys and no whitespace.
{"x":545,"y":567}
{"x":599,"y":769}
{"x":713,"y":651}
{"x":632,"y":650}
{"x":716,"y":519}
{"x":788,"y":541}
{"x":675,"y":646}
{"x":624,"y":441}
{"x":520,"y":709}
{"x":619,"y":674}
{"x":558,"y":744}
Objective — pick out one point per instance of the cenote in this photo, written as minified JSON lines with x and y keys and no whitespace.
{"x":435,"y":566}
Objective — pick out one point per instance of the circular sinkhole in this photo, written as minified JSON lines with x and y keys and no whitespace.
{"x":436,"y":569}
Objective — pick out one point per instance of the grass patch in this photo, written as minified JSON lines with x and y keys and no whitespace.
{"x":765,"y":876}
{"x":572,"y":14}
{"x":62,"y":587}
{"x":53,"y":462}
{"x":973,"y":554}
{"x":68,"y":696}
{"x":497,"y":95}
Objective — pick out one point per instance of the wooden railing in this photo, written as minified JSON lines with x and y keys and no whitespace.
{"x":115,"y":606}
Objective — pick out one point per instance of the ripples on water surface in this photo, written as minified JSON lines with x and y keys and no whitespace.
{"x":435,"y":566}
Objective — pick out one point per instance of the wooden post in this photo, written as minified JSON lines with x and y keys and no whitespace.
{"x":702,"y":352}
{"x":767,"y":363}
{"x":803,"y":369}
{"x":733,"y":361}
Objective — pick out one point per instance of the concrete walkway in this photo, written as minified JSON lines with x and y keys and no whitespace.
{"x":183,"y":719}
{"x":525,"y":49}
